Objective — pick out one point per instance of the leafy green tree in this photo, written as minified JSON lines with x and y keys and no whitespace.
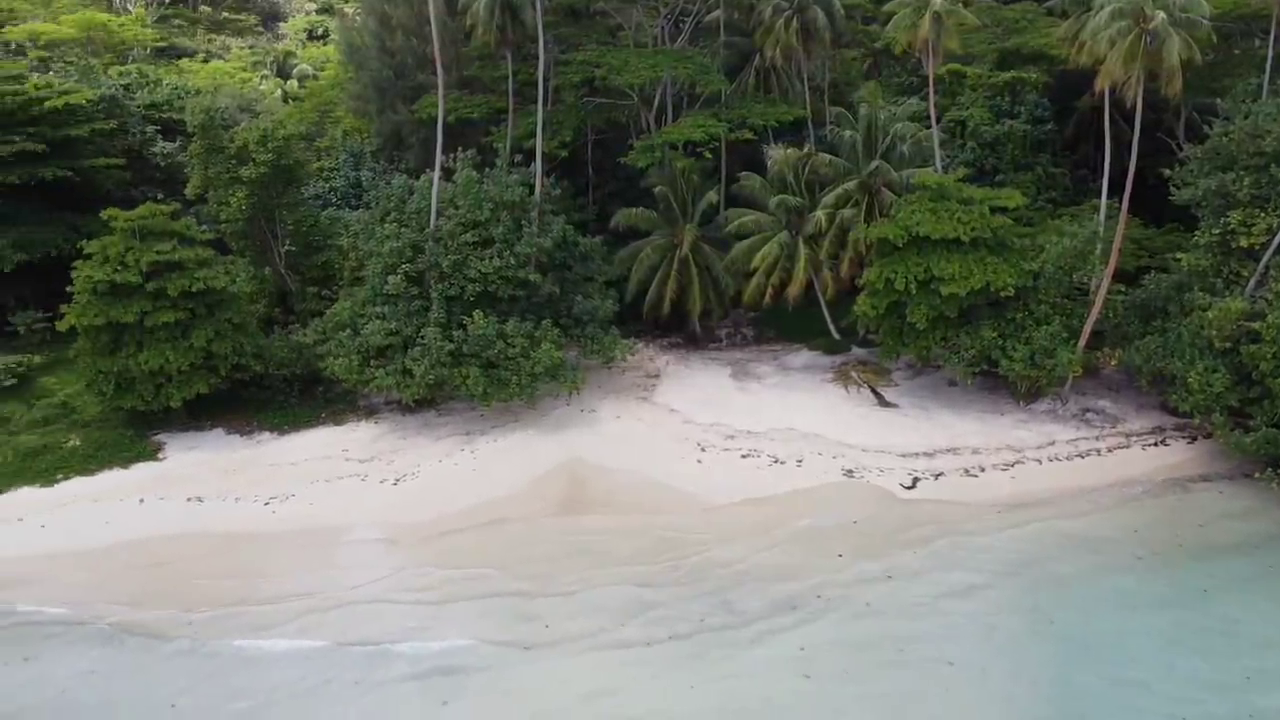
{"x":675,"y":264}
{"x":56,"y":147}
{"x":1231,"y":182}
{"x":780,"y":248}
{"x":929,"y":28}
{"x":160,"y":318}
{"x":489,"y":306}
{"x":1139,"y":41}
{"x":876,"y":151}
{"x":501,"y":24}
{"x":247,"y":160}
{"x":794,"y":32}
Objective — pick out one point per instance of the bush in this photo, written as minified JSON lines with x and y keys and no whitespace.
{"x":486,"y":307}
{"x":160,"y":318}
{"x":953,"y":280}
{"x":948,"y":249}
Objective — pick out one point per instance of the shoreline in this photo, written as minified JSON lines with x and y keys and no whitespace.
{"x":671,"y":454}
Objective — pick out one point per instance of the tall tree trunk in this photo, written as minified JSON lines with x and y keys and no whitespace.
{"x":1262,"y":266}
{"x":880,"y":398}
{"x":511,"y":105}
{"x":542,"y":96}
{"x":1106,"y":166}
{"x":724,"y":140}
{"x":1100,"y":297}
{"x":591,"y":170}
{"x":808,"y":103}
{"x":440,"y":81}
{"x":933,"y":111}
{"x":822,"y":302}
{"x":826,"y":95}
{"x":1271,"y":48}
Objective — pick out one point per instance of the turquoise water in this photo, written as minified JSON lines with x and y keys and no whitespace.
{"x":1164,"y":606}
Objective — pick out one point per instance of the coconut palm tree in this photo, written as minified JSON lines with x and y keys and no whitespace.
{"x":795,"y":32}
{"x":929,"y":28}
{"x":1139,"y":42}
{"x":500,"y":24}
{"x":433,"y":15}
{"x":674,"y":264}
{"x":875,"y":151}
{"x":780,"y":250}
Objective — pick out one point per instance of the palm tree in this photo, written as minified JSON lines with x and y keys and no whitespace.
{"x":1139,"y":42}
{"x":795,"y":31}
{"x":779,"y":250}
{"x":674,"y":263}
{"x":1078,"y":14}
{"x":1271,"y":48}
{"x":500,"y":24}
{"x":542,"y":101}
{"x":929,"y":28}
{"x":875,"y":151}
{"x":434,"y":18}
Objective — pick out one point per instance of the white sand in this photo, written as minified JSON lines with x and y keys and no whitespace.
{"x":672,"y":457}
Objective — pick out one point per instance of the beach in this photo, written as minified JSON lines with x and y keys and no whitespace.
{"x":685,"y":510}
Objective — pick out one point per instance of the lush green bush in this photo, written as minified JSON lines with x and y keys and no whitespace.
{"x":953,"y":280}
{"x":490,"y":306}
{"x":159,"y":317}
{"x":948,"y":248}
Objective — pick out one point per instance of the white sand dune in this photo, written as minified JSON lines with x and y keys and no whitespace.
{"x":661,"y":464}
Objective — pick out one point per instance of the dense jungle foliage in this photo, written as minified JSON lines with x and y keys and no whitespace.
{"x":259,"y":209}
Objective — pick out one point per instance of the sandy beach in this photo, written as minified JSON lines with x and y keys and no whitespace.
{"x":712,"y":443}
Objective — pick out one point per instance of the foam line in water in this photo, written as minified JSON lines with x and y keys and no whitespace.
{"x":280,"y":644}
{"x":421,"y":647}
{"x":424,"y":647}
{"x":39,"y":609}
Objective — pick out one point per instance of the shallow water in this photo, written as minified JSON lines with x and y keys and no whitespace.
{"x":1162,"y":605}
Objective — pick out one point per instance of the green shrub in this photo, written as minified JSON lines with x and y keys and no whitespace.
{"x":486,"y":307}
{"x":948,"y":249}
{"x":953,"y":280}
{"x":159,"y":317}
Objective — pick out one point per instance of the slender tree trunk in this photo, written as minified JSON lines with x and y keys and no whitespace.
{"x":511,"y":104}
{"x":822,"y":302}
{"x":1271,"y":49}
{"x":440,"y":89}
{"x":1262,"y":266}
{"x":724,"y":140}
{"x":880,"y":398}
{"x":1100,"y":297}
{"x":1106,"y":166}
{"x":808,"y":103}
{"x":826,"y":95}
{"x":591,"y":170}
{"x":542,"y":96}
{"x":933,"y":112}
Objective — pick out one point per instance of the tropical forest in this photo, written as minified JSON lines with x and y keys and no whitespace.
{"x":264,"y":212}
